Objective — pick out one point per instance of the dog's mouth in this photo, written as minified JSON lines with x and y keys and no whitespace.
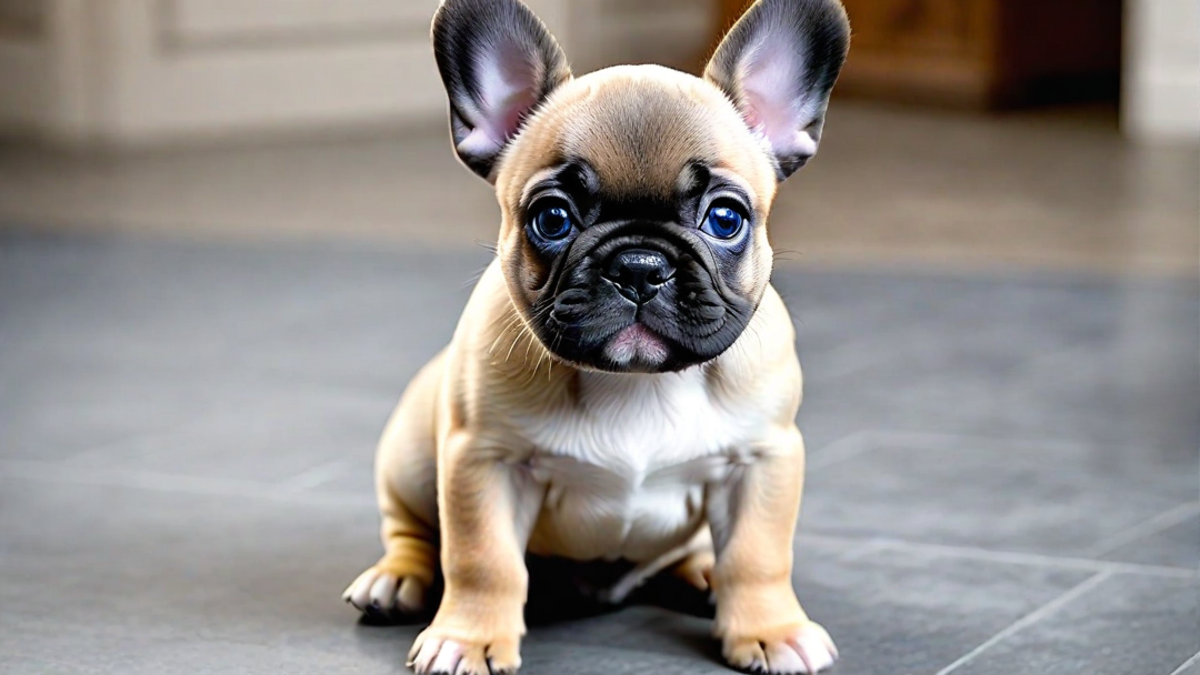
{"x":636,"y":348}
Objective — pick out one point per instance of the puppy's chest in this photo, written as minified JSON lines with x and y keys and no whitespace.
{"x":639,"y":426}
{"x":626,"y":464}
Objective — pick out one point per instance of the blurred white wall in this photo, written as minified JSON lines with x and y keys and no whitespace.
{"x":130,"y":72}
{"x":122,"y":72}
{"x":134,"y":72}
{"x":1161,"y":87}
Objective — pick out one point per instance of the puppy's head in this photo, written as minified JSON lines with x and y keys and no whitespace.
{"x":635,"y":199}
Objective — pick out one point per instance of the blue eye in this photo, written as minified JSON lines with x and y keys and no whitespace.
{"x":723,"y":222}
{"x":553,"y":222}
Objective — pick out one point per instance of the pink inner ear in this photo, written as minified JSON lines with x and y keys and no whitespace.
{"x":772,"y":103}
{"x":479,"y":143}
{"x":508,"y":84}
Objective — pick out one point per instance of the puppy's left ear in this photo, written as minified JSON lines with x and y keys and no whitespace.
{"x":498,"y":63}
{"x":778,"y":65}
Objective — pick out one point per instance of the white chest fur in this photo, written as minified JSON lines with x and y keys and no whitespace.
{"x":626,"y":465}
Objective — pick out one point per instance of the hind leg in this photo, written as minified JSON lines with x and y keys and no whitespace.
{"x":405,"y":483}
{"x":697,"y":566}
{"x":691,"y":562}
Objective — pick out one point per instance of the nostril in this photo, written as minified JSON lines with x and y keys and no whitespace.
{"x":660,"y":275}
{"x":641,"y":265}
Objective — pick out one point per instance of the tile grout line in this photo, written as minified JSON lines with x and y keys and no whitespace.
{"x":312,"y":478}
{"x":82,"y":457}
{"x":1029,"y":619}
{"x":1184,"y":666}
{"x":1037,"y":560}
{"x":863,"y":441}
{"x":845,"y":448}
{"x":943,"y":439}
{"x":1034,"y":559}
{"x":1153,"y":525}
{"x":165,"y":482}
{"x":54,"y":472}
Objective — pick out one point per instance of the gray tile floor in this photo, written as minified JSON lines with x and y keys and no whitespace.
{"x":1004,"y":473}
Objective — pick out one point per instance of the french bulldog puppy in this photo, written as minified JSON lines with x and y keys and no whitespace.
{"x":623,"y":383}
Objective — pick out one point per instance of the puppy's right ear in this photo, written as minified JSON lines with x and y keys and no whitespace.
{"x":778,"y":65}
{"x":498,"y":63}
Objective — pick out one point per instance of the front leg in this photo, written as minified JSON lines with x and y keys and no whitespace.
{"x":487,"y":509}
{"x":753,"y":517}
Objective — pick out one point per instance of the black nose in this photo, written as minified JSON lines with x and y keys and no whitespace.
{"x":639,"y":273}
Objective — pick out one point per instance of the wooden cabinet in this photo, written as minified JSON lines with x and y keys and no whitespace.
{"x":979,"y":53}
{"x":927,"y":49}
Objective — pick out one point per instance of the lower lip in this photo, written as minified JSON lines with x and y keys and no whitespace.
{"x":636,"y":345}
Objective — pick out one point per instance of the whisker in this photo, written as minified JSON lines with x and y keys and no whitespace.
{"x":516,"y":339}
{"x":784,"y":255}
{"x":508,"y":326}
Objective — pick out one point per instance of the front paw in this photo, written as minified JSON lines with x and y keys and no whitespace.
{"x":796,"y":649}
{"x":441,"y":652}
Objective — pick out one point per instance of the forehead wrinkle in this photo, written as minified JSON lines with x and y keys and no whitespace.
{"x":732,"y":177}
{"x":639,"y":143}
{"x":590,"y":118}
{"x":536,"y":179}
